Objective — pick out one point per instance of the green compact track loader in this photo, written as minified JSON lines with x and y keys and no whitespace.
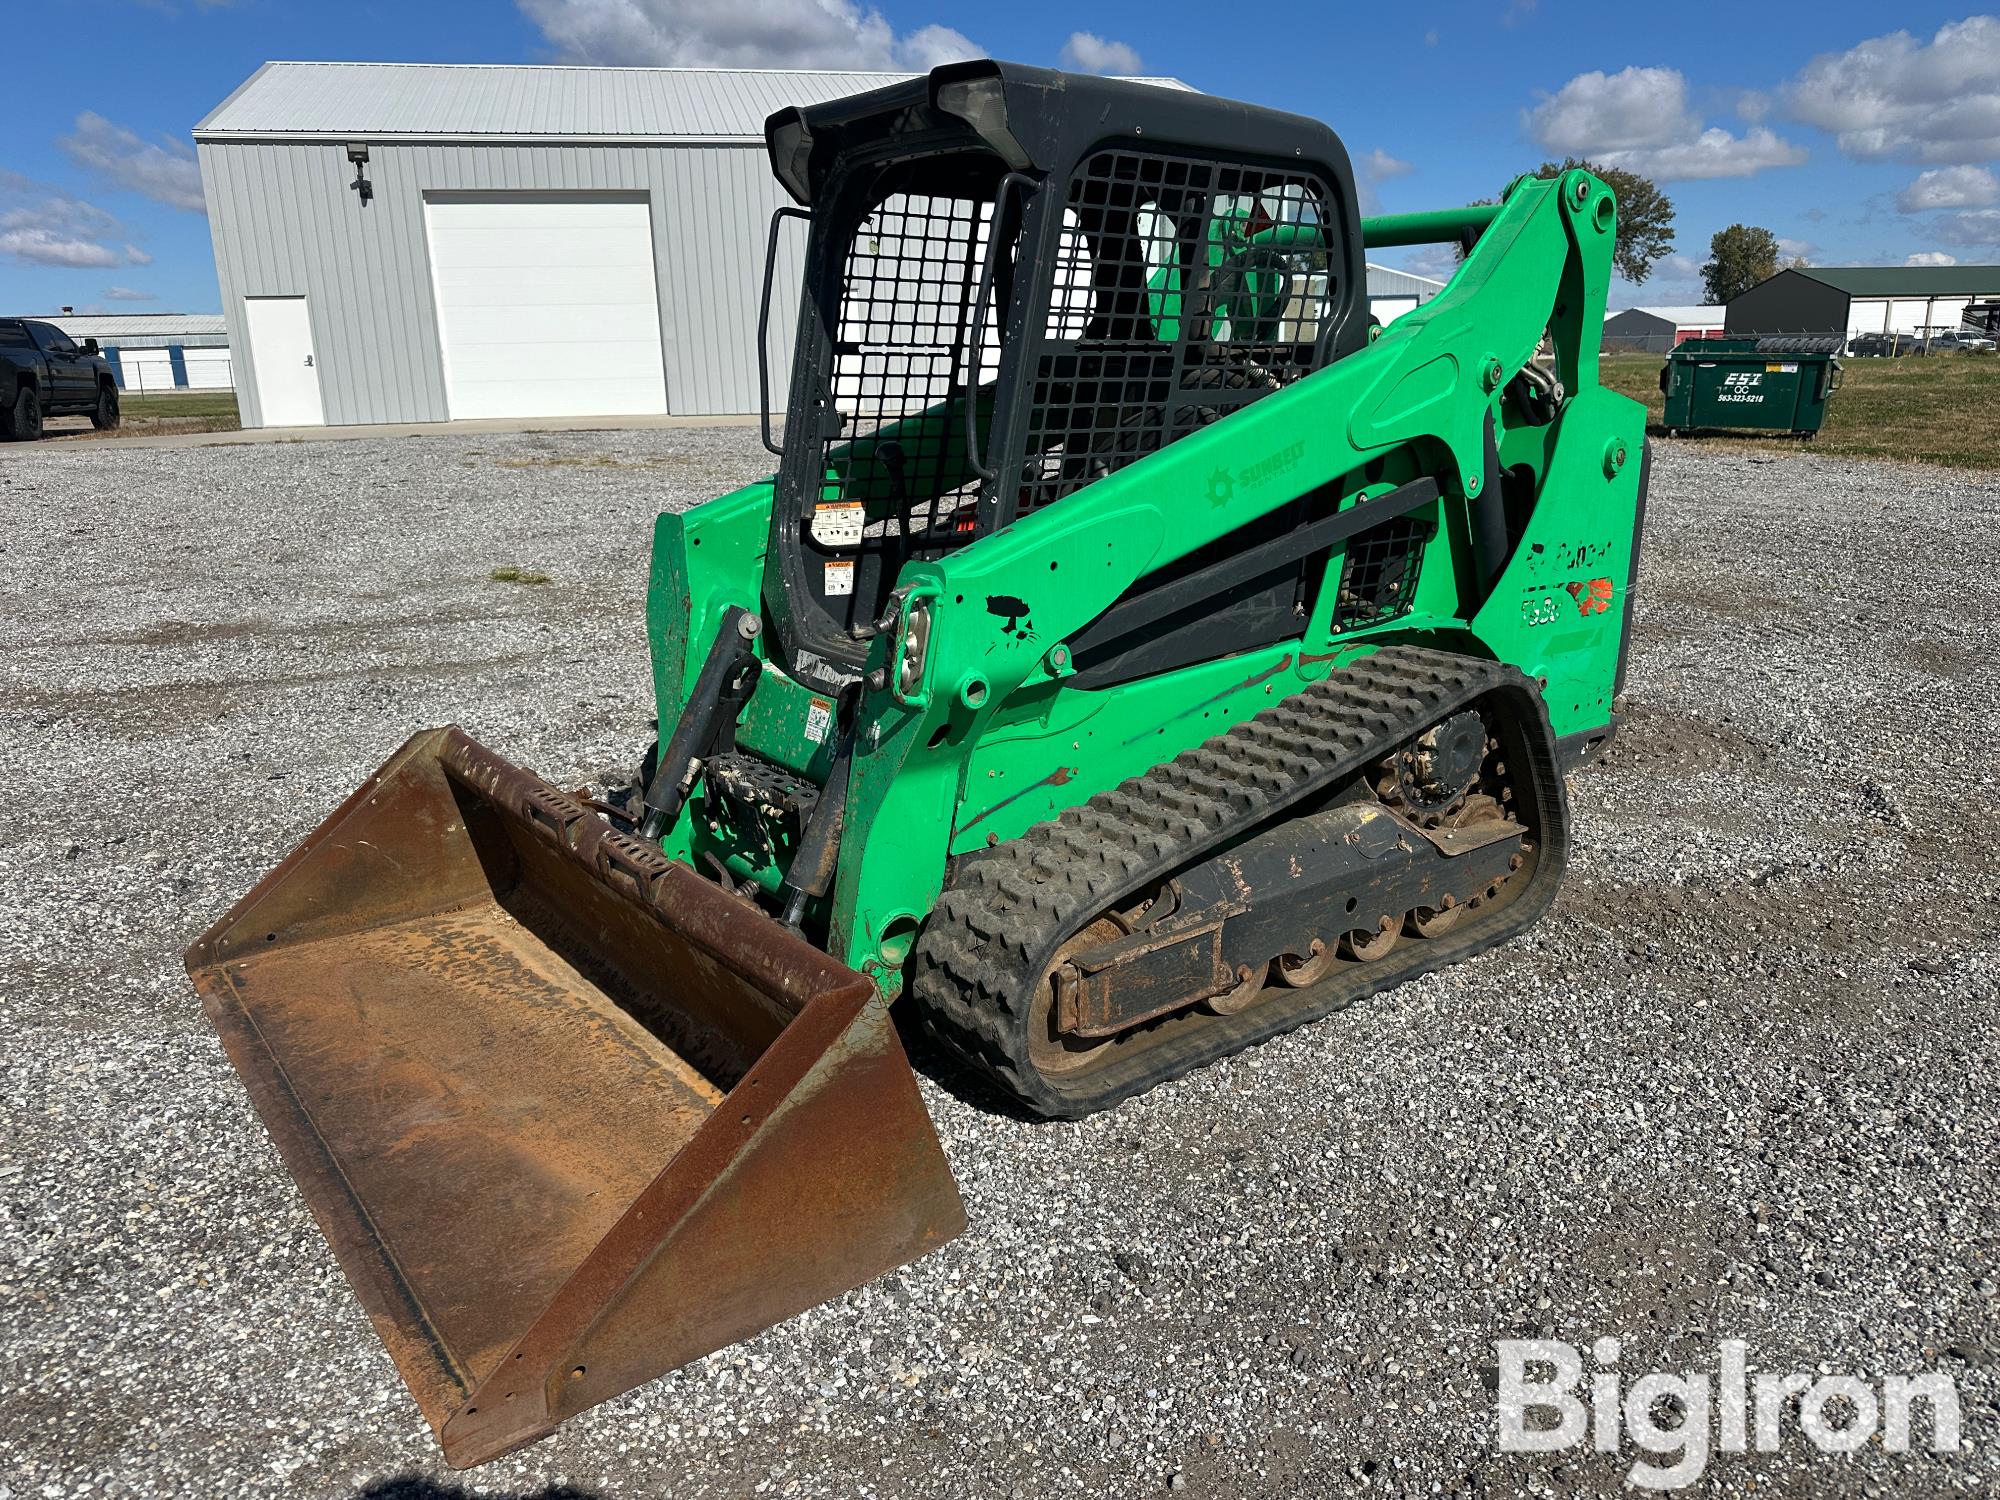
{"x":1138,"y":652}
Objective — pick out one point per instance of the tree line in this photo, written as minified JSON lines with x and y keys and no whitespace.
{"x":1738,"y":257}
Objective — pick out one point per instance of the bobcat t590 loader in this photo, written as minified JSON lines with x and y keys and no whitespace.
{"x":1137,"y":653}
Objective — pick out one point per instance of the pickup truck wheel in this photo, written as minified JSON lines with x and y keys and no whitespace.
{"x":25,"y":419}
{"x":105,"y":417}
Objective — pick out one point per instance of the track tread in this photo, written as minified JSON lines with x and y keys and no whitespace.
{"x":1007,"y":908}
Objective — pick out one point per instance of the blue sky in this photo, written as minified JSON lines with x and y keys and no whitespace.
{"x":1859,"y":134}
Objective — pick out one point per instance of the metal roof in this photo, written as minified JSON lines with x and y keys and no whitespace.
{"x":1904,"y":281}
{"x":135,"y":325}
{"x":456,"y":100}
{"x":1680,"y":317}
{"x":1390,"y":281}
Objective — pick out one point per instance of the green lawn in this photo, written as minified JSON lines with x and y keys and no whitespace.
{"x":1943,"y":409}
{"x":158,"y":412}
{"x":180,"y":404}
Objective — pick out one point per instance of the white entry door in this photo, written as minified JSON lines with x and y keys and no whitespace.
{"x":281,"y":357}
{"x":548,"y":304}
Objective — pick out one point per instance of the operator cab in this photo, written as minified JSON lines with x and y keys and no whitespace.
{"x":1018,"y":281}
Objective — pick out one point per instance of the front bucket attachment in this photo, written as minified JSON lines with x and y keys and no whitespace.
{"x":570,"y":1114}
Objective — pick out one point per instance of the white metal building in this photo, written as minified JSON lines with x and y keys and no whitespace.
{"x":157,"y":351}
{"x":536,"y":241}
{"x":1391,"y":292}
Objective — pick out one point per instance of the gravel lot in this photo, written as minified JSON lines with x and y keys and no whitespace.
{"x":1739,"y":1084}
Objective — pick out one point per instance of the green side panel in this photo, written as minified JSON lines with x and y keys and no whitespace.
{"x":1558,"y":610}
{"x":1069,"y":745}
{"x":704,"y":560}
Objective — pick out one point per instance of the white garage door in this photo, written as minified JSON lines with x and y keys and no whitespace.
{"x":548,"y":304}
{"x":208,"y":369}
{"x":146,"y":370}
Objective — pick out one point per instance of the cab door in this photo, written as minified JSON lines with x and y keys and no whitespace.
{"x":72,"y":380}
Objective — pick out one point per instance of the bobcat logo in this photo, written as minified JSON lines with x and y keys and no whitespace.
{"x":1013,"y":613}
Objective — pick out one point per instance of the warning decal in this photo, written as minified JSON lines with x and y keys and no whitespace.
{"x":819,"y":718}
{"x":839,"y":524}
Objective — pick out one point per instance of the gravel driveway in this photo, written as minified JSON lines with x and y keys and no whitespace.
{"x":1741,"y":1083}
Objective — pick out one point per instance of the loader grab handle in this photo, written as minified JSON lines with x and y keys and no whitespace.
{"x":764,"y":324}
{"x":975,"y":331}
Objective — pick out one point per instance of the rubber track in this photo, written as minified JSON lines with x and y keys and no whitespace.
{"x":1006,"y":910}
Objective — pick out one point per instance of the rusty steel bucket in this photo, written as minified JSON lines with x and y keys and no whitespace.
{"x":570,"y":1114}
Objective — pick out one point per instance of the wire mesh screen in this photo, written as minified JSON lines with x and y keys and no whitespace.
{"x":1183,"y":290}
{"x":902,"y":361}
{"x":1378,"y":576}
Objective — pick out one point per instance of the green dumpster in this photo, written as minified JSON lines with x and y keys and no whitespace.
{"x":1776,"y":382}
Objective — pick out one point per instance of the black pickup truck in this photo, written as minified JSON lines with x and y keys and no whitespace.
{"x":45,"y":373}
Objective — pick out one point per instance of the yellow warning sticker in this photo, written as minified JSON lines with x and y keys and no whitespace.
{"x":839,"y":578}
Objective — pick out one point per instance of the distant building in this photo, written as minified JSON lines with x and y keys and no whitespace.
{"x":1391,"y":292}
{"x":533,"y":241}
{"x":157,"y":351}
{"x":1655,"y":330}
{"x":1850,"y":300}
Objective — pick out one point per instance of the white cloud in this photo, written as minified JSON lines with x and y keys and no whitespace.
{"x":1713,"y":153}
{"x":1973,"y":228}
{"x":1087,"y":52}
{"x":165,"y":172}
{"x":1379,"y":166}
{"x":1753,"y":105}
{"x":1792,"y":249}
{"x":1930,"y":258}
{"x":45,"y":226}
{"x":1949,"y":187}
{"x":741,"y":34}
{"x":1640,"y":119}
{"x":40,"y":245}
{"x":1895,"y":97}
{"x":1598,"y":112}
{"x":130,"y":294}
